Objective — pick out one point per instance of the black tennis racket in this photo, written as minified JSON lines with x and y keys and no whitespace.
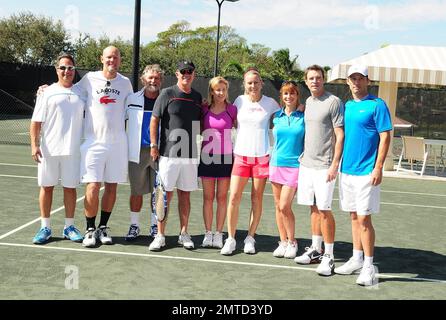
{"x":159,"y":199}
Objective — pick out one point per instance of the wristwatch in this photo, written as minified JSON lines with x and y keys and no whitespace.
{"x":153,"y":145}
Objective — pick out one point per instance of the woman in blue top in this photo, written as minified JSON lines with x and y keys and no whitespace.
{"x":288,"y":131}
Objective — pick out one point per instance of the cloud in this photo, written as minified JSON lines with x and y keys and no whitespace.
{"x":122,"y":10}
{"x":304,"y":14}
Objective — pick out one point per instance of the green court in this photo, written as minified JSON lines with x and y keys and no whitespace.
{"x":410,"y":250}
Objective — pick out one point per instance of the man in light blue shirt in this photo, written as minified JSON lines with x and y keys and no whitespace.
{"x":367,"y":125}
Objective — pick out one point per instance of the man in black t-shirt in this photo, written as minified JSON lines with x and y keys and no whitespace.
{"x":177,"y":114}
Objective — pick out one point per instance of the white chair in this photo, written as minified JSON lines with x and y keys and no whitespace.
{"x":414,"y":149}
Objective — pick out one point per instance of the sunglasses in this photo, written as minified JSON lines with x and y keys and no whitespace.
{"x":186,"y":71}
{"x":69,"y":68}
{"x":294,"y":83}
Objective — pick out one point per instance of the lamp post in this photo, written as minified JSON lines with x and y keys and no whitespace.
{"x":136,"y":37}
{"x":218,"y":34}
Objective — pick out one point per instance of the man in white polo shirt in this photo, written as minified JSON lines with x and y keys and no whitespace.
{"x":104,"y":153}
{"x":55,"y":131}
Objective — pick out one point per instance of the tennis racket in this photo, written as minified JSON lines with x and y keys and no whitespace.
{"x":159,"y":199}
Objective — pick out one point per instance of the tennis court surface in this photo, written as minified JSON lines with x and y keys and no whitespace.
{"x":410,"y":250}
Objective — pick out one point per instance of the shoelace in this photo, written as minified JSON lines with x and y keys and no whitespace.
{"x":90,"y":234}
{"x":185,"y":237}
{"x":43,"y":231}
{"x":104,"y":231}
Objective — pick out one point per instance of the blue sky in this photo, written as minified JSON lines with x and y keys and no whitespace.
{"x":325,"y":32}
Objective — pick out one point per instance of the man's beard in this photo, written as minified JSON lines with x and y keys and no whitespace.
{"x":151,"y":88}
{"x":111,"y":69}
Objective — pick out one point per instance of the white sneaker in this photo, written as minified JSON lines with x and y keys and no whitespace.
{"x":104,"y":235}
{"x":89,"y":238}
{"x":311,"y":255}
{"x":207,"y":241}
{"x":367,"y":277}
{"x":291,"y":250}
{"x":185,"y":240}
{"x":350,"y":266}
{"x":158,"y":242}
{"x":229,"y":246}
{"x":326,"y":267}
{"x":249,"y":245}
{"x":280,"y":250}
{"x":217,"y":240}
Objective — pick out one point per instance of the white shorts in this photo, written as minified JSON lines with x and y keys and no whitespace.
{"x":357,"y":194}
{"x":104,"y":162}
{"x":314,"y":189}
{"x":51,"y":169}
{"x":179,"y":172}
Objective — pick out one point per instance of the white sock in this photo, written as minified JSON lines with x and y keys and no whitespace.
{"x":358,"y":255}
{"x":45,"y":223}
{"x":69,"y":222}
{"x":329,"y":249}
{"x":134,"y":218}
{"x":316,"y":242}
{"x":368,"y":261}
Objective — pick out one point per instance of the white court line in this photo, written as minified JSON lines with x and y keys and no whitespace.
{"x":416,"y":193}
{"x":37,"y":219}
{"x":17,"y":165}
{"x":11,"y":176}
{"x":149,"y":255}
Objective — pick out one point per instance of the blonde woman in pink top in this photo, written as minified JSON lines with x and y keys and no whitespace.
{"x":219,"y":117}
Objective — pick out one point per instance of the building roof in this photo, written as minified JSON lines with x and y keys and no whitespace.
{"x":400,"y":63}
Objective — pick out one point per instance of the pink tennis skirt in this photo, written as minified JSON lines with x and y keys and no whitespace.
{"x":284,"y":175}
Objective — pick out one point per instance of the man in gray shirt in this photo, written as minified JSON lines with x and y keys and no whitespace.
{"x":319,"y":163}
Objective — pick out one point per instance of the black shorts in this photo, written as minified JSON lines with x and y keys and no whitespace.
{"x":215,"y":165}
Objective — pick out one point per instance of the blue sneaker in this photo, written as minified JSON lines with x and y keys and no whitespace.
{"x":153,"y":230}
{"x":42,"y":236}
{"x":72,"y":233}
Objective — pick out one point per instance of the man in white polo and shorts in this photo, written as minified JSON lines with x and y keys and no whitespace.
{"x":367,"y":124}
{"x":104,"y":153}
{"x":176,"y":117}
{"x":324,"y":138}
{"x":55,"y":131}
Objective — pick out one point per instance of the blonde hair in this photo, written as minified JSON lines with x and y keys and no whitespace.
{"x":212,"y":84}
{"x":152,"y":67}
{"x":251,"y":70}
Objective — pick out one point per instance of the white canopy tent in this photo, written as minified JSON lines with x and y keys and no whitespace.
{"x":398,"y":65}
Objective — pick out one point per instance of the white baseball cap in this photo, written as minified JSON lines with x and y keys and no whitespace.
{"x":358,"y":68}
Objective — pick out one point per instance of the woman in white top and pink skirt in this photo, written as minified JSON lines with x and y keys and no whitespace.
{"x":251,"y":158}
